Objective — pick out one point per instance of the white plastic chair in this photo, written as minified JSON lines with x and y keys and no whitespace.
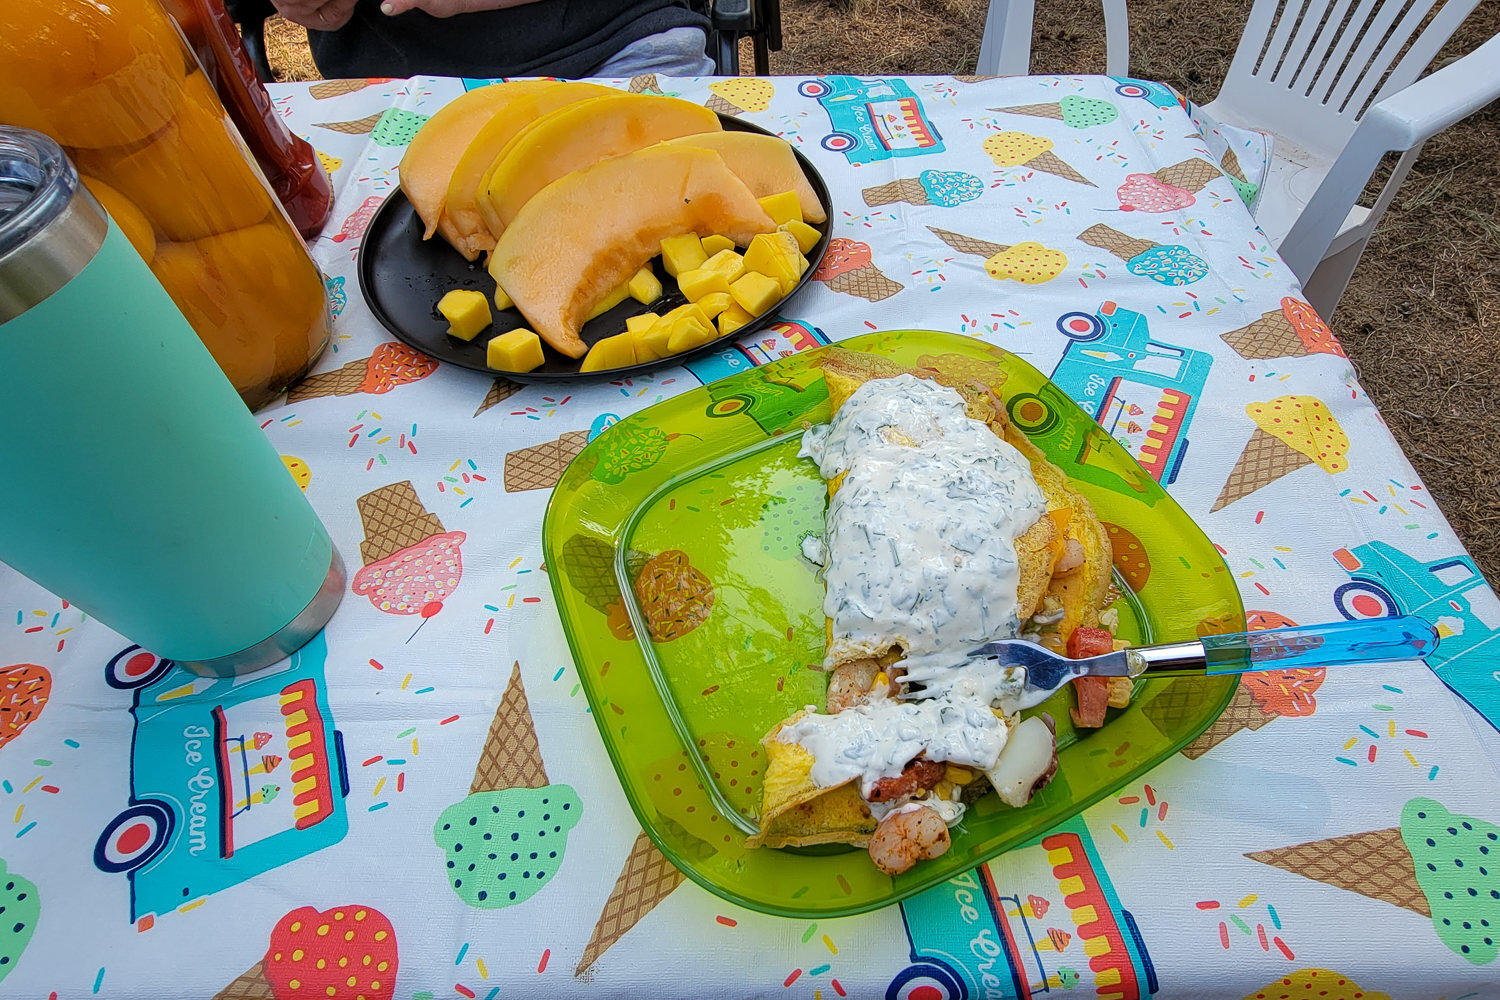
{"x":1334,"y":82}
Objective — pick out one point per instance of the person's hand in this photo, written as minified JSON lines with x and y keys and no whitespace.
{"x":318,"y":15}
{"x":447,"y":8}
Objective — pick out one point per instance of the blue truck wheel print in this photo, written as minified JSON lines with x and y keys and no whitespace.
{"x":229,"y":777}
{"x":924,"y":981}
{"x":873,"y":119}
{"x":1154,"y":93}
{"x":1142,"y":391}
{"x":1451,"y":594}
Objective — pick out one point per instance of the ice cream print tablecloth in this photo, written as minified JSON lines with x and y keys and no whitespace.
{"x":1335,"y":834}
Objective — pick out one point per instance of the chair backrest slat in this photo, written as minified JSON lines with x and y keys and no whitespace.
{"x":1312,"y":67}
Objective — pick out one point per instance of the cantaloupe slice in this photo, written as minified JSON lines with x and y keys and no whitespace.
{"x":470,"y":236}
{"x":427,"y":165}
{"x":582,"y":235}
{"x":579,"y":136}
{"x":765,"y":163}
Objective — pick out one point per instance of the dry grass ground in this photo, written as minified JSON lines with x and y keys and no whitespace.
{"x":1421,"y":319}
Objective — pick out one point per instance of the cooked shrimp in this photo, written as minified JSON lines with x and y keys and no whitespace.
{"x":906,"y":836}
{"x":1071,"y":559}
{"x":850,"y":684}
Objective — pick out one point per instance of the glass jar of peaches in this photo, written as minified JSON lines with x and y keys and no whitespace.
{"x":114,"y":83}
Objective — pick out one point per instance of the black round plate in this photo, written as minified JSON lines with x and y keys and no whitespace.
{"x":402,"y":276}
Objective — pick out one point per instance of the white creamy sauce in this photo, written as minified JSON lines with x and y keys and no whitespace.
{"x":920,"y":552}
{"x":953,"y":722}
{"x":922,"y":529}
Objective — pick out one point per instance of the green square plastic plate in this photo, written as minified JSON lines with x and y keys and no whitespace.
{"x":673,"y":546}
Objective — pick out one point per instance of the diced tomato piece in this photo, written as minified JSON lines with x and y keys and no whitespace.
{"x":1093,"y":701}
{"x":1086,"y":642}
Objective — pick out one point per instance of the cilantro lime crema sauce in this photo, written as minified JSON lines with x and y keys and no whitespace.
{"x":920,"y":539}
{"x":921,"y":532}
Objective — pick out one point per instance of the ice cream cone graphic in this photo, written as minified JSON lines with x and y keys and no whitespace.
{"x":847,"y":267}
{"x":499,"y":391}
{"x":645,"y":83}
{"x":24,"y":690}
{"x":1230,"y":164}
{"x":1021,"y":149}
{"x":1167,"y":189}
{"x":1290,"y":432}
{"x":389,"y":365}
{"x":357,"y":221}
{"x":324,"y":89}
{"x":411,"y":564}
{"x":1170,"y":265}
{"x":343,"y":953}
{"x":1436,"y":863}
{"x":1293,"y":331}
{"x":1325,"y":984}
{"x":541,"y":466}
{"x":740,"y":93}
{"x":1073,"y":111}
{"x":505,"y":840}
{"x":944,"y":188}
{"x":391,"y":127}
{"x":646,"y":879}
{"x":1029,"y":263}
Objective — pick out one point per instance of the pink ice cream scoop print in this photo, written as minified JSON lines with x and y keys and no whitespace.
{"x":411,"y":563}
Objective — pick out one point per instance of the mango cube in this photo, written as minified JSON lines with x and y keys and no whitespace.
{"x":682,"y":253}
{"x":806,"y":236}
{"x":653,"y":341}
{"x":467,"y":312}
{"x":700,"y":281}
{"x":775,"y":255}
{"x":715,"y":302}
{"x":641,"y":323}
{"x":714,"y":244}
{"x":733,"y":318}
{"x":611,"y":352}
{"x":689,"y":332}
{"x":617,"y":295}
{"x":518,"y":350}
{"x":644,"y":287}
{"x":783,"y":207}
{"x":727,"y":263}
{"x":755,"y":292}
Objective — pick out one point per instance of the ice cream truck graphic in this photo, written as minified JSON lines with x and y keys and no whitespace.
{"x":1449,"y":593}
{"x":1050,"y":922}
{"x":772,"y":399}
{"x":873,"y":119}
{"x":1154,"y":93}
{"x":230,"y":777}
{"x":780,"y":339}
{"x":1142,"y":391}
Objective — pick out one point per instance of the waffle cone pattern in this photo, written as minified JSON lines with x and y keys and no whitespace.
{"x":1231,"y":166}
{"x":251,"y":984}
{"x":868,"y":282}
{"x":1375,"y":864}
{"x":718,"y":104}
{"x":907,"y":189}
{"x":1116,"y":242}
{"x":359,"y":127}
{"x":968,"y":244}
{"x":500,"y":390}
{"x":1050,"y":162}
{"x":1271,"y":336}
{"x":394,"y":518}
{"x":646,"y":880}
{"x":645,"y":83}
{"x":1240,"y":714}
{"x":335,"y":88}
{"x":1051,"y":110}
{"x":512,"y":757}
{"x":1190,"y":175}
{"x":1266,"y":458}
{"x":541,"y":466}
{"x":343,"y":381}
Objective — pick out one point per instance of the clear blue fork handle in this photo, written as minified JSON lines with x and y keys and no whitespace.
{"x":1371,"y":641}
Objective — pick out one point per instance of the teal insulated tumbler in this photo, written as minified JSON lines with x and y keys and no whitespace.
{"x":136,"y":485}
